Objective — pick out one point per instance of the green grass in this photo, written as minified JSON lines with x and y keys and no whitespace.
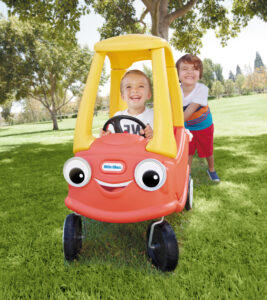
{"x":222,"y":240}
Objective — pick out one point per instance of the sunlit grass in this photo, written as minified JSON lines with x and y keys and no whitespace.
{"x":222,"y":240}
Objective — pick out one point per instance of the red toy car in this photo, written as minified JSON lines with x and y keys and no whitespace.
{"x":126,"y":178}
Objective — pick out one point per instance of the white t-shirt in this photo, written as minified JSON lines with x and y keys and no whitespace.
{"x":146,"y":117}
{"x":199,"y":95}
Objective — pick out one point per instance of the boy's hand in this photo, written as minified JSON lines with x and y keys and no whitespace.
{"x":148,"y":132}
{"x":103,"y":133}
{"x":192,"y":107}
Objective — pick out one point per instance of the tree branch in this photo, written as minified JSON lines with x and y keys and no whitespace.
{"x":148,"y":4}
{"x":44,"y":103}
{"x":141,"y":20}
{"x":65,"y":103}
{"x":155,"y":17}
{"x":181,"y":11}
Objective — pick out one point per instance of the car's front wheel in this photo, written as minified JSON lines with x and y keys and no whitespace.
{"x":163,"y":250}
{"x":72,"y":236}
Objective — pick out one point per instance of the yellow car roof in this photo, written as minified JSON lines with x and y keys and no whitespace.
{"x":126,"y":49}
{"x":123,"y":51}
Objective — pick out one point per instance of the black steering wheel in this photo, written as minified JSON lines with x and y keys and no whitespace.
{"x":115,"y":121}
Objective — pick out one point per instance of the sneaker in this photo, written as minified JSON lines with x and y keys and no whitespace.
{"x":213,"y":176}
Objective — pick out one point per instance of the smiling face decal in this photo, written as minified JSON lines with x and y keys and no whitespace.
{"x":149,"y":174}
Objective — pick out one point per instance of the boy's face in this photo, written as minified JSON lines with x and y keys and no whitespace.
{"x":188,"y":74}
{"x":135,"y":91}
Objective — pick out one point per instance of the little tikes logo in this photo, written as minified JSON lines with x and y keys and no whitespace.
{"x":112,"y":167}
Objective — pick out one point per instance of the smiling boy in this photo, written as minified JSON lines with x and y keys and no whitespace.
{"x":197,"y":115}
{"x":135,"y":89}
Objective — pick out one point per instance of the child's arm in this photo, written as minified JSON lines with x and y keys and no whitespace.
{"x":191,"y":108}
{"x":148,"y":132}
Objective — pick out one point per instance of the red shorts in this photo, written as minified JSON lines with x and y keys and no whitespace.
{"x":202,"y":141}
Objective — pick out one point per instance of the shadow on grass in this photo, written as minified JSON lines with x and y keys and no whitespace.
{"x":33,"y":191}
{"x":2,"y":129}
{"x":36,"y":132}
{"x":239,"y":197}
{"x":232,"y":155}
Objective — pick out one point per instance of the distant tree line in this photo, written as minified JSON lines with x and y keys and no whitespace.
{"x":241,"y":82}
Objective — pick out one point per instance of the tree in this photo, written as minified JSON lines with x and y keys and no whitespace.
{"x":208,"y":72}
{"x":246,"y":10}
{"x":238,"y":71}
{"x":260,"y":79}
{"x":218,"y":70}
{"x":190,"y":19}
{"x":258,"y":63}
{"x":6,"y":111}
{"x":229,"y":87}
{"x":33,"y":111}
{"x":239,"y":83}
{"x":217,"y":89}
{"x":231,"y":76}
{"x":37,"y":67}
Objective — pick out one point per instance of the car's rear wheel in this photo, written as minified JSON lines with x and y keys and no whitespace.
{"x":189,"y":199}
{"x":163,"y":251}
{"x":72,"y":236}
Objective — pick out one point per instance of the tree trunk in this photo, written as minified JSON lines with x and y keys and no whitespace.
{"x":163,"y":30}
{"x":161,"y":19}
{"x":159,"y":12}
{"x":54,"y":119}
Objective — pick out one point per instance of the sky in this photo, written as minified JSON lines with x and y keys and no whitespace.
{"x":239,"y":51}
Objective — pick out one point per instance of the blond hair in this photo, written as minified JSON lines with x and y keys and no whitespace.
{"x":138,"y":72}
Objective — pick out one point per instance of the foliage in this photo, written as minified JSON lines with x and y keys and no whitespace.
{"x":239,"y":83}
{"x":219,"y":258}
{"x":36,"y":66}
{"x":255,"y":81}
{"x":33,"y":111}
{"x":211,"y":72}
{"x":208,"y":72}
{"x":62,"y":15}
{"x":246,"y":10}
{"x":258,"y":63}
{"x":6,"y":112}
{"x":190,"y":19}
{"x":231,"y":76}
{"x":218,"y":70}
{"x":217,"y":89}
{"x":229,"y":87}
{"x":238,"y":71}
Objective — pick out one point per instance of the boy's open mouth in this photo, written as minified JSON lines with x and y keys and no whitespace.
{"x":135,"y":98}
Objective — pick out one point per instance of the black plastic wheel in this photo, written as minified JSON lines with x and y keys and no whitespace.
{"x":189,"y":199}
{"x":164,"y":252}
{"x":72,"y":236}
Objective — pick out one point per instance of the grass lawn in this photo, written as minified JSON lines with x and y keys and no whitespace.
{"x":222,"y":240}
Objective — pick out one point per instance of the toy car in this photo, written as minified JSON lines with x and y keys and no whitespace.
{"x":126,"y":178}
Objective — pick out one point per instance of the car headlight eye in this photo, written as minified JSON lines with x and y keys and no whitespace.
{"x":77,"y":171}
{"x":150,"y":174}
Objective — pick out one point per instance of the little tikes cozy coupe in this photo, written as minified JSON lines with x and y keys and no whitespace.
{"x":126,"y":178}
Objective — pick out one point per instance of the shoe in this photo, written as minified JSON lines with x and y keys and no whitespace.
{"x":213,"y":176}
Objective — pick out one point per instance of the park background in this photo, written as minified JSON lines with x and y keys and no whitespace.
{"x":222,"y":65}
{"x":222,"y":240}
